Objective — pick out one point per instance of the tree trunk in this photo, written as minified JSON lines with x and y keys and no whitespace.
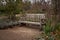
{"x":56,"y":12}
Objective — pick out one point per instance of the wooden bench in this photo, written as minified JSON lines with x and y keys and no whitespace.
{"x":30,"y":24}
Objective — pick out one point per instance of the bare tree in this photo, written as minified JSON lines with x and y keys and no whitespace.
{"x":56,"y":12}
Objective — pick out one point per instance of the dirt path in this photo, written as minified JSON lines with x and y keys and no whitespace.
{"x":19,"y":33}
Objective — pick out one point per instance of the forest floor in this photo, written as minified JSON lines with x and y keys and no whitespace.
{"x":19,"y":33}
